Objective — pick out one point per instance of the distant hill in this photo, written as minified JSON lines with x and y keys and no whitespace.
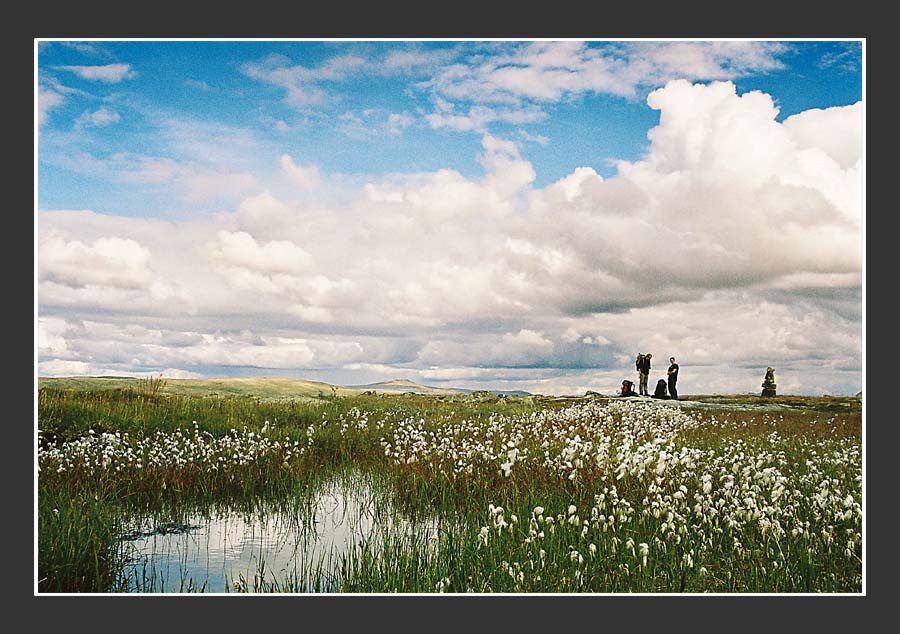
{"x":405,"y":385}
{"x":258,"y":387}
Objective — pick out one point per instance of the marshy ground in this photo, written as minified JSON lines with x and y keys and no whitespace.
{"x":457,"y":493}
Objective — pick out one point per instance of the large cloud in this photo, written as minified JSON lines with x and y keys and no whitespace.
{"x":734,"y":243}
{"x":725,"y":198}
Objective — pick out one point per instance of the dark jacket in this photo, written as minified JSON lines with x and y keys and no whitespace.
{"x":644,"y":366}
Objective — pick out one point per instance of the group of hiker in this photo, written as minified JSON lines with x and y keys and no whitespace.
{"x":642,"y":365}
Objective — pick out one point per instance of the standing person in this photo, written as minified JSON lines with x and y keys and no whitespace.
{"x":643,"y":368}
{"x":673,"y":378}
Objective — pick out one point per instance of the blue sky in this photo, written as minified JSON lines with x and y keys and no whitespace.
{"x":345,"y":131}
{"x":240,"y":143}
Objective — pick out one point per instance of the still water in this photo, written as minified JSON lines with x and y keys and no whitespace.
{"x":297,"y":550}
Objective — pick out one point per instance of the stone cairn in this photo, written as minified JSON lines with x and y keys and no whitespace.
{"x":768,"y":385}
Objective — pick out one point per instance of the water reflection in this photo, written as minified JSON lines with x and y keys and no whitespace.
{"x":296,"y":550}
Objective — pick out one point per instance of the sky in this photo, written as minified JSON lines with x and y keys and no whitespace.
{"x":515,"y":215}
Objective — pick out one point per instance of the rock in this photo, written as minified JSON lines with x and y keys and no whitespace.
{"x":483,"y":396}
{"x":768,"y":384}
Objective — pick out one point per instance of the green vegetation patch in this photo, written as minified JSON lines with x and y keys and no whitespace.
{"x":530,"y":494}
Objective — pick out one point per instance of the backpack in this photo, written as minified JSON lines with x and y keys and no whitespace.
{"x":639,"y":362}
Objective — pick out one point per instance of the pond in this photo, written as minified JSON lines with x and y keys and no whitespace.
{"x":297,"y":549}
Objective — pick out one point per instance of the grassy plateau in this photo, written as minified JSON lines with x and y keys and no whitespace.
{"x":527,"y":493}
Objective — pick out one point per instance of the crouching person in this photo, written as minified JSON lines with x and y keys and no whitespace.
{"x":660,"y":389}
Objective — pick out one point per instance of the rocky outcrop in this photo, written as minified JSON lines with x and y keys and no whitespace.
{"x":768,"y":384}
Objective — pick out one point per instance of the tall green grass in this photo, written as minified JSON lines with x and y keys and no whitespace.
{"x":78,"y":545}
{"x":81,"y":514}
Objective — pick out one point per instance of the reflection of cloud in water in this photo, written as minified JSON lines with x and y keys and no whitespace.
{"x":284,"y":544}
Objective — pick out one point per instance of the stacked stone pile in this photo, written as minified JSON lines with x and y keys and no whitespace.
{"x":768,"y":384}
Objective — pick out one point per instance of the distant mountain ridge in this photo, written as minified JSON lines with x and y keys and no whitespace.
{"x":406,"y":385}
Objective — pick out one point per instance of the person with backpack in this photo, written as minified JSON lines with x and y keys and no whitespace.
{"x":642,"y":364}
{"x":673,"y":378}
